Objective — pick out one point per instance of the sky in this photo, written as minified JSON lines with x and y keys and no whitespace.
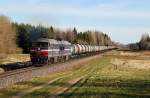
{"x":123,"y":20}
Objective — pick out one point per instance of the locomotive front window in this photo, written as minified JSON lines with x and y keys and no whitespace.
{"x":42,"y":45}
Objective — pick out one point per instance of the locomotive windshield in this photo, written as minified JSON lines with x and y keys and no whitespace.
{"x":40,"y":45}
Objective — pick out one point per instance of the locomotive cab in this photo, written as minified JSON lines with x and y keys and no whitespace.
{"x":39,"y":53}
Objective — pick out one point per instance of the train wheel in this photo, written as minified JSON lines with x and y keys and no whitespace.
{"x":55,"y":59}
{"x":64,"y":58}
{"x":51,"y":60}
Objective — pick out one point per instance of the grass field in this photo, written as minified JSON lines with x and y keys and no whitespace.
{"x":99,"y":78}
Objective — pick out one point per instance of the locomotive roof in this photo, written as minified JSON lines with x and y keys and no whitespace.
{"x":46,"y":40}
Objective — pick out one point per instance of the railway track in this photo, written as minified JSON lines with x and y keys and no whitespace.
{"x":17,"y":71}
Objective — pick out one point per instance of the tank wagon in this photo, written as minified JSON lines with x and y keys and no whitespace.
{"x":46,"y":51}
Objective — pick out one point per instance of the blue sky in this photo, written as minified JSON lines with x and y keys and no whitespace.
{"x":123,"y":20}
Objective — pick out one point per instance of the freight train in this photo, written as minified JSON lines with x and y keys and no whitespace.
{"x":46,"y":51}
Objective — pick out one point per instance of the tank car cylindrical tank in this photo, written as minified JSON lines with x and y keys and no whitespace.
{"x":86,"y":48}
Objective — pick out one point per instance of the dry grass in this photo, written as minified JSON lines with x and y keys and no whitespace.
{"x":14,"y":58}
{"x":138,"y":60}
{"x":138,"y":64}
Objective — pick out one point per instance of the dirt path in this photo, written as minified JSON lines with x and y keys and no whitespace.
{"x":61,"y":90}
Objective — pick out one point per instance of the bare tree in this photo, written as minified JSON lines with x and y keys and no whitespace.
{"x":144,"y":43}
{"x":7,"y":37}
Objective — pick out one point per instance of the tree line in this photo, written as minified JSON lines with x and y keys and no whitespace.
{"x":27,"y":33}
{"x":24,"y":34}
{"x":143,"y":44}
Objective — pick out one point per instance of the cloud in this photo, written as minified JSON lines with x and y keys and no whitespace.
{"x":101,"y":10}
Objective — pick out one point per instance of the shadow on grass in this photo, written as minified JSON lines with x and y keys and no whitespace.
{"x":31,"y":83}
{"x":12,"y":91}
{"x":17,"y":65}
{"x":102,"y":95}
{"x":98,"y":89}
{"x":139,"y":84}
{"x":110,"y":89}
{"x":5,"y":93}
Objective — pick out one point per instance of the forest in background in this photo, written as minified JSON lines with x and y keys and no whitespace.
{"x":17,"y":38}
{"x":27,"y":33}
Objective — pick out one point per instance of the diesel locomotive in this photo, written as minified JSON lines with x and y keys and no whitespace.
{"x":47,"y":51}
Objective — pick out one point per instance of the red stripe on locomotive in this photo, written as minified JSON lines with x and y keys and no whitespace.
{"x":41,"y":52}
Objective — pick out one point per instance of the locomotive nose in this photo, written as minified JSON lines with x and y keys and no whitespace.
{"x":39,"y":57}
{"x":40,"y":52}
